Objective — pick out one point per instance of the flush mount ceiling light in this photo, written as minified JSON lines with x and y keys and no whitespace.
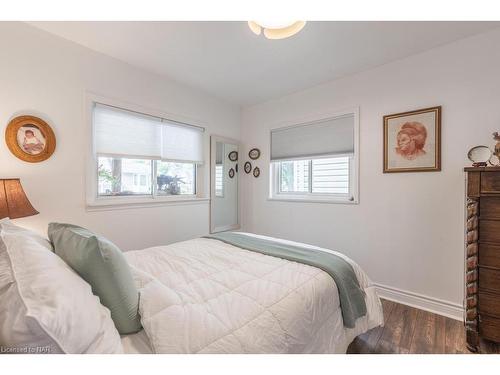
{"x":276,"y":30}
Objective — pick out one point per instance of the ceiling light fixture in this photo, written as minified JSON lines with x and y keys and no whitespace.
{"x":276,"y":30}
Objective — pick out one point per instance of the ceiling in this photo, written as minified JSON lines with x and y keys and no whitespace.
{"x":227,"y":60}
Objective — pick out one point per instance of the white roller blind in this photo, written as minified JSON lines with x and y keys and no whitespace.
{"x":122,"y":133}
{"x":334,"y":136}
{"x":181,"y":142}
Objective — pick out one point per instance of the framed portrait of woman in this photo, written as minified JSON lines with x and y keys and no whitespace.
{"x":412,"y":141}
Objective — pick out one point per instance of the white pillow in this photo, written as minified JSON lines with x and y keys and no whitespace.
{"x":45,"y":307}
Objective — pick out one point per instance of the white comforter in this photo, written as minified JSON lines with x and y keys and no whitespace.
{"x":206,"y":296}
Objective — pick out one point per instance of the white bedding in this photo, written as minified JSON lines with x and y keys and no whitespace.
{"x":206,"y":296}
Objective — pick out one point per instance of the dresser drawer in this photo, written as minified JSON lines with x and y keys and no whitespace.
{"x":489,"y":255}
{"x":490,"y":182}
{"x":489,"y":231}
{"x":489,"y":279}
{"x":489,"y":328}
{"x":489,"y":303}
{"x":489,"y":207}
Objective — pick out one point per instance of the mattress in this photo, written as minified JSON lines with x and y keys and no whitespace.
{"x":206,"y":296}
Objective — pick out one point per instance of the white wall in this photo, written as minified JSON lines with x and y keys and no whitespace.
{"x":407,"y":231}
{"x":48,"y":76}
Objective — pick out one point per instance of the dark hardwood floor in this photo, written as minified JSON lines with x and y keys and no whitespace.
{"x":410,"y":330}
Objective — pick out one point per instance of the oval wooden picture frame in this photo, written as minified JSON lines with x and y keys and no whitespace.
{"x":248,"y":167}
{"x":256,"y":172}
{"x":231,"y":173}
{"x":233,"y":156}
{"x":40,"y":129}
{"x":254,"y":153}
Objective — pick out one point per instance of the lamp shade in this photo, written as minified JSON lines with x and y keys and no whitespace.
{"x":13,"y":201}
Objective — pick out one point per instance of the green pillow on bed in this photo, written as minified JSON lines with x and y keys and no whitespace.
{"x":103,"y":265}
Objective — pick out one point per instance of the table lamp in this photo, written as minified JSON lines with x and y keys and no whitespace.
{"x":13,"y":201}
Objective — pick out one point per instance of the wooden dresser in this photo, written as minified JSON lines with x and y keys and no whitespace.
{"x":482,"y":261}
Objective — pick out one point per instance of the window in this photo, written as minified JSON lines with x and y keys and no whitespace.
{"x":315,"y":161}
{"x":294,"y":176}
{"x":315,"y":176}
{"x":176,"y":178}
{"x":120,"y":176}
{"x":144,"y":156}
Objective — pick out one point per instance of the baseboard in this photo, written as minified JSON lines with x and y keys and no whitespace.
{"x":419,"y":301}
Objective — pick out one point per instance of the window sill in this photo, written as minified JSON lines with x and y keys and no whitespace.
{"x":125,"y":203}
{"x":313,"y":200}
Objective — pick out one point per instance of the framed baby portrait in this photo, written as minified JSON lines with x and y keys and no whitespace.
{"x":30,"y":139}
{"x":412,"y":141}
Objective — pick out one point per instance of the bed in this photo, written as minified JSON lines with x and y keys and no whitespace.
{"x":208,"y":296}
{"x":205,"y":295}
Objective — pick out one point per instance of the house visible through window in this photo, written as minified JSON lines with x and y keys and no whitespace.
{"x":315,"y":161}
{"x":317,"y":176}
{"x":140,"y":155}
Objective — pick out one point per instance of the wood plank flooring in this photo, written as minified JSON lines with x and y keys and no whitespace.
{"x":410,"y":330}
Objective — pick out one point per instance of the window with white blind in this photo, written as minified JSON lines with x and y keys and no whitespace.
{"x":144,"y":156}
{"x":316,"y":161}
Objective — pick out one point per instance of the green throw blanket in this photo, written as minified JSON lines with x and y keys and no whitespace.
{"x":352,"y":297}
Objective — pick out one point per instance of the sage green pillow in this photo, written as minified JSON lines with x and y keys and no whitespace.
{"x":103,"y":265}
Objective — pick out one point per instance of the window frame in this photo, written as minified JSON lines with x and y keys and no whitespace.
{"x":96,"y":202}
{"x":275,"y":193}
